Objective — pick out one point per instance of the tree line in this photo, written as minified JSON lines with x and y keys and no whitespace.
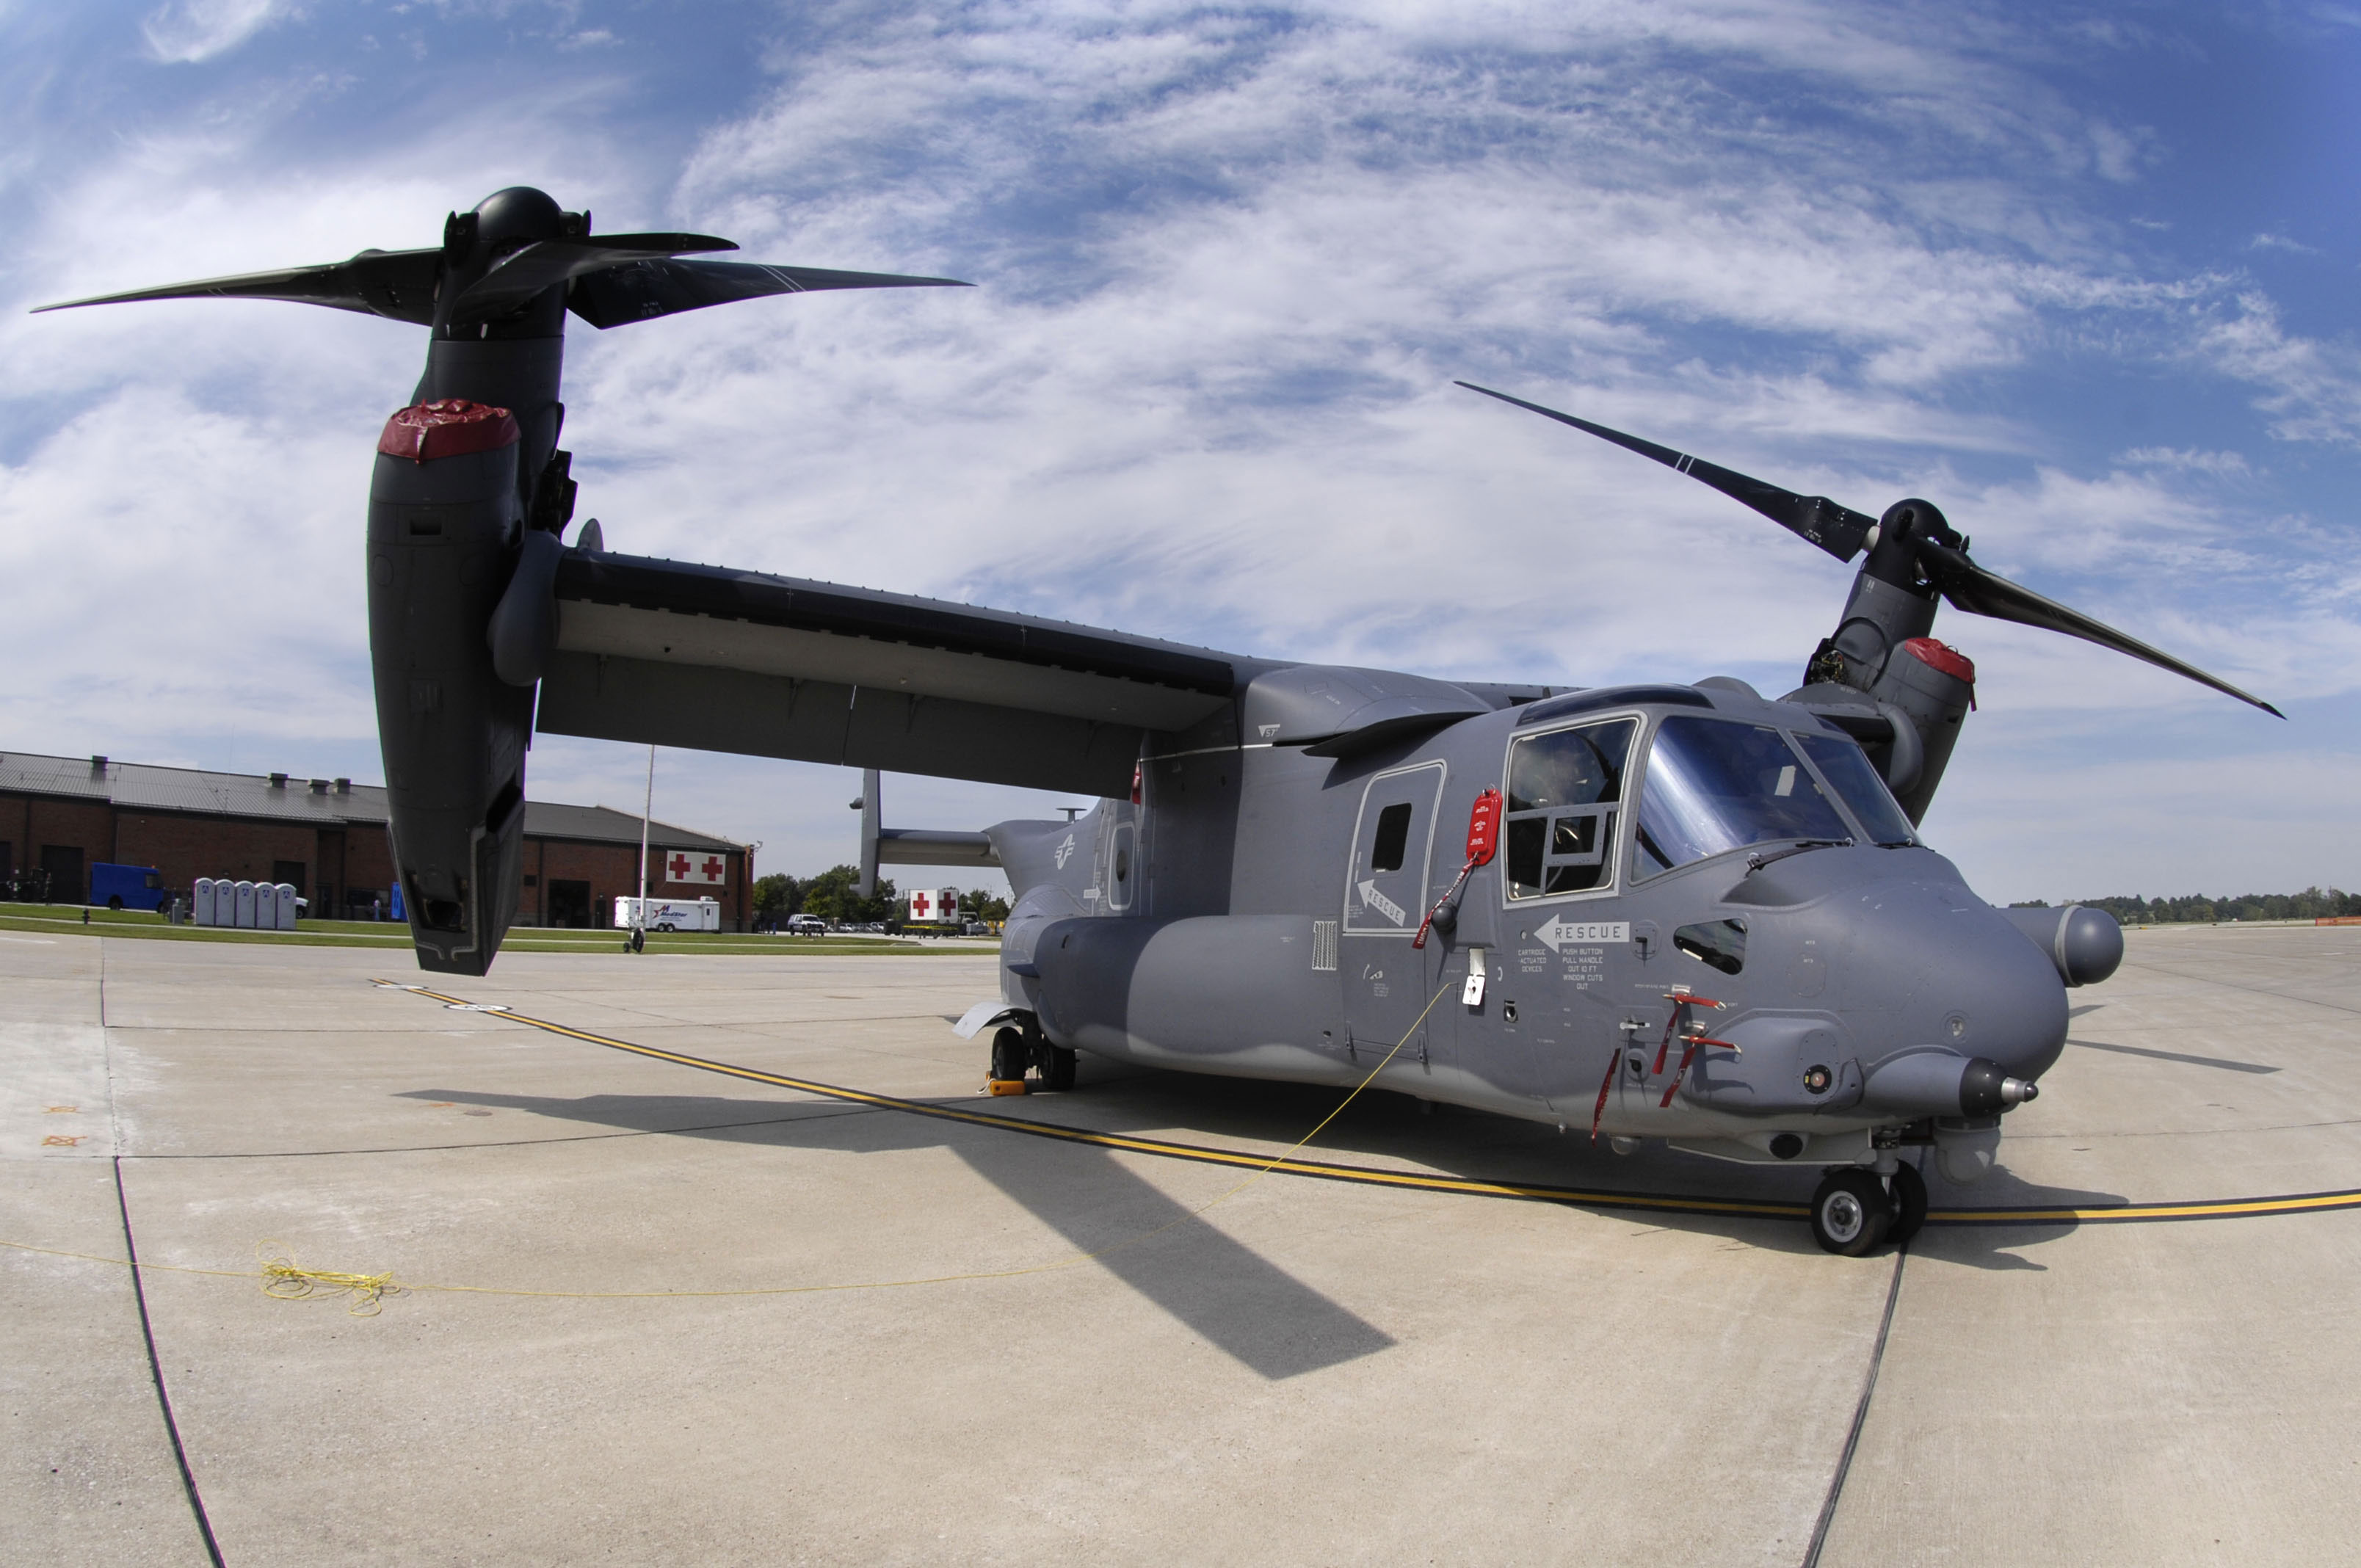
{"x":831,"y":896}
{"x":2312,"y":903}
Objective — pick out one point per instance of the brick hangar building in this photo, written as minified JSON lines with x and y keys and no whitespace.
{"x":327,"y":836}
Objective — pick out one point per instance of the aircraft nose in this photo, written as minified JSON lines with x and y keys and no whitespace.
{"x":1958,"y":975}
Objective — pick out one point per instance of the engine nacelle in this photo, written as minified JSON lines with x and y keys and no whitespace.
{"x":445,"y":514}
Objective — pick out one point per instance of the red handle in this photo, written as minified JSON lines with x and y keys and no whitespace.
{"x":1484,"y":828}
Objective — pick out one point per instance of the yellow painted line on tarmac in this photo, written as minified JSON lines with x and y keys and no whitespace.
{"x":1663,"y":1202}
{"x":2119,"y":1213}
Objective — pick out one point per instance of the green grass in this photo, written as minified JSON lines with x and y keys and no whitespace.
{"x":53,"y":919}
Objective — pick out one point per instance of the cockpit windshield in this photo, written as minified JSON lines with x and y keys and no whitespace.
{"x":1846,"y":769}
{"x":1714,"y":784}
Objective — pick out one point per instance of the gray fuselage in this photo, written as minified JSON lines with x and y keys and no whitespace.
{"x":1254,"y":914}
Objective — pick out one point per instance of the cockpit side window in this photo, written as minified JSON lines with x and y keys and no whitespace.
{"x":1564,"y":791}
{"x":1717,"y":785}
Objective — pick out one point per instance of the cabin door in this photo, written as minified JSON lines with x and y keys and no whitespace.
{"x":1388,"y":886}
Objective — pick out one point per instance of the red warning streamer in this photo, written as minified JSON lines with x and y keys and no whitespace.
{"x":1483,"y":839}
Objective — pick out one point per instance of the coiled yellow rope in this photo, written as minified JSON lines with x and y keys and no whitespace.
{"x":283,"y":1280}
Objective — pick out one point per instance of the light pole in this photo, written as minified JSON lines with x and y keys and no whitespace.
{"x":647,"y":809}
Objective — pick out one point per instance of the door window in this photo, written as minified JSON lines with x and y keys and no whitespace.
{"x":1385,"y":888}
{"x":1564,"y":789}
{"x":1123,"y":881}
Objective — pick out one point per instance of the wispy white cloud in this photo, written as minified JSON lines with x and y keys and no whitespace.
{"x":188,"y":31}
{"x":1231,"y":262}
{"x":2221,"y":465}
{"x":2309,"y":388}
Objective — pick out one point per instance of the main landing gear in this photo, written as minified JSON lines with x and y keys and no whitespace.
{"x":1015,"y":1050}
{"x":1856,"y":1209}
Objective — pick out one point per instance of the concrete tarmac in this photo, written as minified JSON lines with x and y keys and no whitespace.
{"x":1034,"y":1351}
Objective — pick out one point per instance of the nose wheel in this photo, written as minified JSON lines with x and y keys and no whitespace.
{"x":1856,"y":1209}
{"x":1851,"y":1213}
{"x":1909,"y":1190}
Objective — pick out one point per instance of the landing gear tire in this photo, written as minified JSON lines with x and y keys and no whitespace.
{"x":1909,"y":1204}
{"x":1008,"y":1054}
{"x":1057,"y":1065}
{"x":1851,"y":1213}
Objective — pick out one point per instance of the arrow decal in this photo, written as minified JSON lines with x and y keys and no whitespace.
{"x":1560,"y":933}
{"x":1371,"y":898}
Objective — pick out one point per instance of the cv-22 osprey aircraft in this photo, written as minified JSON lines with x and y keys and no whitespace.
{"x":1675,"y":911}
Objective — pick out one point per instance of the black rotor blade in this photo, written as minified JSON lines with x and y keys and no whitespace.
{"x":642,"y":290}
{"x":1836,"y":529}
{"x":396,"y":284}
{"x":1969,"y":588}
{"x":517,"y":277}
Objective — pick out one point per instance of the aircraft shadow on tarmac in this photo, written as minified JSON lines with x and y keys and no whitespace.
{"x":1238,"y":1300}
{"x":2225,"y":1063}
{"x":1395,"y":1128}
{"x":1244,"y":1305}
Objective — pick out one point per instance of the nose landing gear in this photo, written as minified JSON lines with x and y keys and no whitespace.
{"x":1856,"y":1209}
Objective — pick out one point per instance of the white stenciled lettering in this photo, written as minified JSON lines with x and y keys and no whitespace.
{"x":1561,"y":933}
{"x":1373,"y":899}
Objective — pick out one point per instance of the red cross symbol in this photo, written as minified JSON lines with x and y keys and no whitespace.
{"x":920,"y":904}
{"x":713,"y":868}
{"x":678,"y":867}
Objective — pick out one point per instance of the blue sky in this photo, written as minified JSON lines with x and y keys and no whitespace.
{"x":2083,"y":276}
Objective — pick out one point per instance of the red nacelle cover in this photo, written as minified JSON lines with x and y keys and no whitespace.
{"x":447,"y":427}
{"x":1942,"y":656}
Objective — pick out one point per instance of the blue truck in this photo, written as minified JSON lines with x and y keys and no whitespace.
{"x":127,"y":887}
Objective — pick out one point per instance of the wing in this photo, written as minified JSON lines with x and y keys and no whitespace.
{"x":718,"y":659}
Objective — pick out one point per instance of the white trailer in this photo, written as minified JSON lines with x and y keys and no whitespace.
{"x":669,"y":914}
{"x":934,"y":907}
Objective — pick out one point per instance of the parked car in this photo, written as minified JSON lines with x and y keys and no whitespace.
{"x":975,"y":928}
{"x":806,"y":926}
